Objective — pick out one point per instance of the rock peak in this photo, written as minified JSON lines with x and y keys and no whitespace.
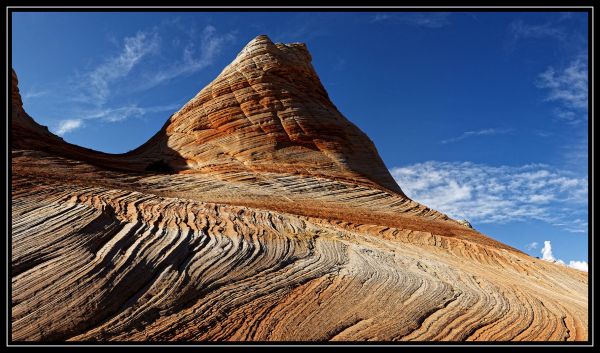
{"x":261,"y":38}
{"x":16,"y":102}
{"x":267,"y":111}
{"x":25,"y":132}
{"x":259,"y":42}
{"x":286,"y":54}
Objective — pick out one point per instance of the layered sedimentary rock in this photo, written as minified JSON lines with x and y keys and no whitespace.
{"x":25,"y":132}
{"x":268,"y":112}
{"x":258,"y":212}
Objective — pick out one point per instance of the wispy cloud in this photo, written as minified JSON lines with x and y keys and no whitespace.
{"x":197,"y":54}
{"x":141,"y":61}
{"x":575,"y":152}
{"x":68,"y":125}
{"x":568,"y":30}
{"x":568,"y":87}
{"x":110,"y":114}
{"x":532,"y":245}
{"x":564,"y":86}
{"x":97,"y":83}
{"x":498,"y":194}
{"x":547,"y":255}
{"x":521,"y":30}
{"x":379,"y":17}
{"x":300,"y":27}
{"x":483,"y":132}
{"x":567,"y":90}
{"x":34,"y":94}
{"x":121,"y":113}
{"x":543,"y":133}
{"x":339,"y":64}
{"x":416,"y":19}
{"x":428,"y":20}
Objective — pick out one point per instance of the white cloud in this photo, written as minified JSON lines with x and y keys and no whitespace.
{"x":543,"y":133}
{"x":121,"y":113}
{"x":565,"y":85}
{"x":575,"y":153}
{"x":568,"y":87}
{"x":34,"y":94}
{"x":547,"y":255}
{"x":532,"y":245}
{"x":97,"y":83}
{"x":340,"y":64}
{"x":416,"y":19}
{"x":380,"y":17}
{"x":564,"y":31}
{"x":426,"y":19}
{"x":68,"y":125}
{"x":484,"y":132}
{"x":197,"y":54}
{"x":580,"y":265}
{"x":142,"y":61}
{"x":520,"y":30}
{"x":498,"y":194}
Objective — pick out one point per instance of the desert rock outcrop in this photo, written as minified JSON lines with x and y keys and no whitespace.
{"x":258,"y":212}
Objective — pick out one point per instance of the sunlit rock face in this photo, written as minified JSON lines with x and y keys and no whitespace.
{"x":258,"y":212}
{"x":268,"y":112}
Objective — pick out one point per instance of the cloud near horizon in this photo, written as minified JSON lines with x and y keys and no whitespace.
{"x":68,"y":125}
{"x":532,"y":245}
{"x":547,"y":255}
{"x":498,"y":194}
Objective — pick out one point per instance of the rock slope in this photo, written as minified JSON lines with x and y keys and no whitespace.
{"x":258,"y":212}
{"x":268,"y":112}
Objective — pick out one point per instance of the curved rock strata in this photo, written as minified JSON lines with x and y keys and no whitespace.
{"x":272,"y":218}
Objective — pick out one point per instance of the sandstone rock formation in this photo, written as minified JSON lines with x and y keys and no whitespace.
{"x":258,"y":212}
{"x":465,"y":223}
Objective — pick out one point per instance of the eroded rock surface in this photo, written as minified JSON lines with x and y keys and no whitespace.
{"x":264,"y":215}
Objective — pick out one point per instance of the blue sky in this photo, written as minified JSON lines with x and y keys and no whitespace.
{"x":479,"y":115}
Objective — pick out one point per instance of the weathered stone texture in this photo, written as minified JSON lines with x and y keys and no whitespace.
{"x":258,"y":212}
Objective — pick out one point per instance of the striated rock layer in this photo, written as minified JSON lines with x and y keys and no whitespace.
{"x":268,"y":112}
{"x":258,"y":212}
